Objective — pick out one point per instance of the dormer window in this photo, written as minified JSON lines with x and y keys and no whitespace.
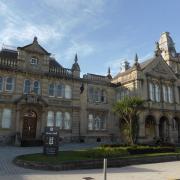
{"x":34,"y":61}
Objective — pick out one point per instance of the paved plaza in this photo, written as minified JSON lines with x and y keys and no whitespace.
{"x":8,"y":171}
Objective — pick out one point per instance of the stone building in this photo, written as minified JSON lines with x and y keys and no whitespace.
{"x":36,"y":91}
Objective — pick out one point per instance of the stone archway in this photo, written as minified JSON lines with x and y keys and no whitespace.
{"x":150,"y":128}
{"x":29,"y":125}
{"x":164,"y":128}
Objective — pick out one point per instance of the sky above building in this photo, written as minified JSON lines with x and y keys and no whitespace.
{"x":102,"y":32}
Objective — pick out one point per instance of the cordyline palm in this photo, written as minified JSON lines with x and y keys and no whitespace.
{"x":128,"y":109}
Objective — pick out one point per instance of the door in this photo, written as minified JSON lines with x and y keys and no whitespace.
{"x":29,"y":125}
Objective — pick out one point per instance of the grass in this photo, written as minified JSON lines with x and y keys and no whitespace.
{"x":97,"y":153}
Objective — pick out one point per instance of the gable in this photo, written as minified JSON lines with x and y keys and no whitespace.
{"x":35,"y":47}
{"x":159,"y":68}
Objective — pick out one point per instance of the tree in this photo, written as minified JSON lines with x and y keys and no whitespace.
{"x":128,"y":109}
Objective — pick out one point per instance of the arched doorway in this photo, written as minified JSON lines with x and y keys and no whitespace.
{"x":150,"y":129}
{"x":164,"y":128}
{"x":29,"y":125}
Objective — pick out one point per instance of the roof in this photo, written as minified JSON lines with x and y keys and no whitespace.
{"x":35,"y":42}
{"x":54,"y":63}
{"x":9,"y":54}
{"x":142,"y":66}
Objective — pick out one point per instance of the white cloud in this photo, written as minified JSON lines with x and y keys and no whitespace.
{"x":83,"y":49}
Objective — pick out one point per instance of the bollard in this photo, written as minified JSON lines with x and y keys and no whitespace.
{"x":105,"y":169}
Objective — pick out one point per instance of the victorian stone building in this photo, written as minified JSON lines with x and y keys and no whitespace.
{"x":36,"y":91}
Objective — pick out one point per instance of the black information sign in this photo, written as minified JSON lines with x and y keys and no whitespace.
{"x":51,"y":141}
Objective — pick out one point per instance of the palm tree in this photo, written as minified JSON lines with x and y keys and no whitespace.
{"x":128,"y":109}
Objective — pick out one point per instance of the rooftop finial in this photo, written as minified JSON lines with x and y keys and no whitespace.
{"x":109,"y":73}
{"x":136,"y":59}
{"x":76,"y":58}
{"x":109,"y":70}
{"x":35,"y":39}
{"x":157,"y":51}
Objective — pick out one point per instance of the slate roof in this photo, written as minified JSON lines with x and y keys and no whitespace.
{"x":8,"y":54}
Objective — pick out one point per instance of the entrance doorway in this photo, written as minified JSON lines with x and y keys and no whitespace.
{"x":29,"y":125}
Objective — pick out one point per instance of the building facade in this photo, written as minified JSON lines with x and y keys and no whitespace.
{"x":36,"y":91}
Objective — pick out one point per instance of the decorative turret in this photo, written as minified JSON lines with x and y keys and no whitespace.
{"x":35,"y":40}
{"x":75,"y":67}
{"x":109,"y":73}
{"x":167,"y":46}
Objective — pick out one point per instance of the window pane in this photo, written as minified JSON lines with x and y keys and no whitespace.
{"x":59,"y":119}
{"x":68,"y":92}
{"x":36,"y":87}
{"x":9,"y":84}
{"x":1,"y":83}
{"x":157,"y":93}
{"x":90,"y":122}
{"x":50,"y":118}
{"x":6,"y":118}
{"x":51,"y":90}
{"x":170,"y":94}
{"x":27,"y":85}
{"x":67,"y":120}
{"x":60,"y":90}
{"x":97,"y":123}
{"x":165,"y":93}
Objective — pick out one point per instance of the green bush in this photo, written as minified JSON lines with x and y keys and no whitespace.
{"x":104,"y":152}
{"x":148,"y":150}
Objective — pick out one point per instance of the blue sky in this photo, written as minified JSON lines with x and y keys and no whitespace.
{"x":103,"y":32}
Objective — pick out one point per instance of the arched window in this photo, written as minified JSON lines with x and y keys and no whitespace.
{"x":90,"y":122}
{"x":67,"y":120}
{"x":6,"y":118}
{"x":51,"y":90}
{"x":36,"y":87}
{"x":151,"y":91}
{"x":50,"y":118}
{"x":60,"y":90}
{"x":68,"y":93}
{"x":27,"y":86}
{"x":170,"y":94}
{"x":157,"y":92}
{"x":1,"y":84}
{"x":59,"y":120}
{"x":9,"y":84}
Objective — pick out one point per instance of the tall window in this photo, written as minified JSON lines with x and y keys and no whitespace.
{"x":165,"y":93}
{"x":51,"y":90}
{"x":68,"y":93}
{"x":90,"y":122}
{"x":36,"y":87}
{"x":59,"y":120}
{"x":1,"y":84}
{"x":170,"y":94}
{"x":67,"y":120}
{"x":9,"y":84}
{"x":6,"y":118}
{"x":157,"y":92}
{"x":60,"y":90}
{"x":151,"y":91}
{"x":50,"y":118}
{"x":27,"y":86}
{"x":97,"y":123}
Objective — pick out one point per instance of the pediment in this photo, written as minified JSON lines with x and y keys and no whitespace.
{"x":159,"y":68}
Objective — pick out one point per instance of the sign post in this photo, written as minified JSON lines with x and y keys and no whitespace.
{"x":51,"y":141}
{"x":105,"y":169}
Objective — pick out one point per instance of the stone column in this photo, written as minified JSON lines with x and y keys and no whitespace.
{"x":141,"y":135}
{"x":157,"y":129}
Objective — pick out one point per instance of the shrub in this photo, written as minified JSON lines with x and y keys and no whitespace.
{"x":148,"y":150}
